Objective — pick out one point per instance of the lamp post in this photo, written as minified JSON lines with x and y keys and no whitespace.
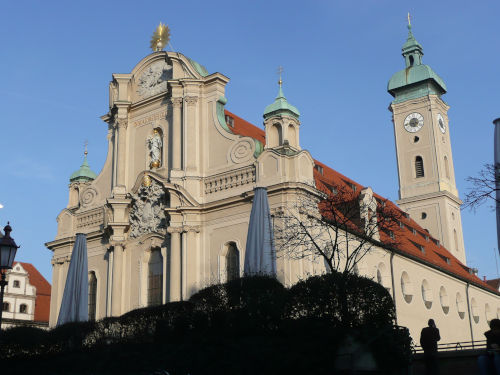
{"x":8,"y":249}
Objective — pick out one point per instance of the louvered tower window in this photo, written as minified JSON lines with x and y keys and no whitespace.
{"x":419,"y":167}
{"x":92,"y":295}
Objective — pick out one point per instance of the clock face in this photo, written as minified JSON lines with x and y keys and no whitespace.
{"x":414,"y":122}
{"x":441,"y":123}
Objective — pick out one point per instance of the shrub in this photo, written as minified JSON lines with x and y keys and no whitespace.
{"x":344,"y":299}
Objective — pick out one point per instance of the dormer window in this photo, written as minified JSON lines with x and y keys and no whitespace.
{"x":230,"y":121}
{"x":16,"y":284}
{"x":319,"y":168}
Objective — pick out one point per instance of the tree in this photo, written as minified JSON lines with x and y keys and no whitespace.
{"x":483,"y":188}
{"x":341,"y":226}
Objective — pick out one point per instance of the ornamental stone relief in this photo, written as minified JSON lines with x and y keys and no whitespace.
{"x":147,"y":213}
{"x":242,"y":151}
{"x":153,"y":79}
{"x":88,"y":196}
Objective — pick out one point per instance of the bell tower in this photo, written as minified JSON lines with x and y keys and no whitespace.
{"x":427,"y":189}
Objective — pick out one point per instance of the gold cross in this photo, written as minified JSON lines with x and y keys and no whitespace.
{"x":280,"y":70}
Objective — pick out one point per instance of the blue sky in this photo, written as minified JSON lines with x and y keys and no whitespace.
{"x":337,"y":56}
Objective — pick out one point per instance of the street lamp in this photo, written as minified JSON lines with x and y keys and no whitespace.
{"x":8,"y":249}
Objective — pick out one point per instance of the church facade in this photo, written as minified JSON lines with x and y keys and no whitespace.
{"x":169,"y":212}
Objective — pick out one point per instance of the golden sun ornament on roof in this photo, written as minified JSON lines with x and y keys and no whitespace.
{"x":160,"y":37}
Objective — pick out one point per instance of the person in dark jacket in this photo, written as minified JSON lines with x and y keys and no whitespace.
{"x":429,"y":338}
{"x":489,"y":363}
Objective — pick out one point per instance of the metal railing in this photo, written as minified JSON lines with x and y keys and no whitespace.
{"x":454,"y":346}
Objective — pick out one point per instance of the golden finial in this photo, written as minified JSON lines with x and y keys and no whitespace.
{"x":86,"y":152}
{"x":160,"y":37}
{"x":409,"y":20}
{"x":280,"y":70}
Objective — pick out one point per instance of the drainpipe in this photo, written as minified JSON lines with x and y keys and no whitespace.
{"x":393,"y":289}
{"x":468,"y":311}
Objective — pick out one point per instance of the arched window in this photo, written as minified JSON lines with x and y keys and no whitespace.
{"x":155,"y":278}
{"x":292,"y":136}
{"x":232,"y":262}
{"x":419,"y":167}
{"x":23,"y":308}
{"x":276,"y":135}
{"x":446,"y":167}
{"x":5,"y":306}
{"x":92,"y":295}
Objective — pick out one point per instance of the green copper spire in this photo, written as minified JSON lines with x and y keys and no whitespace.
{"x":281,"y":107}
{"x":84,"y":173}
{"x":412,"y":50}
{"x":417,"y":79}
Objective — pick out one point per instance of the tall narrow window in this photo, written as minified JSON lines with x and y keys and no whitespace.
{"x":446,"y":167}
{"x":419,"y":167}
{"x":455,"y":238}
{"x":23,"y":309}
{"x":232,"y":262}
{"x":5,"y":306}
{"x":92,"y":295}
{"x":155,"y":278}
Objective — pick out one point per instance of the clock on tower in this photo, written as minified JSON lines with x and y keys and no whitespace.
{"x":427,"y":189}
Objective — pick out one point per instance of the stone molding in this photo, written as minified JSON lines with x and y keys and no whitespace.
{"x":192,"y":228}
{"x":176,"y":102}
{"x":175,"y":229}
{"x":121,"y":123}
{"x":191,"y":100}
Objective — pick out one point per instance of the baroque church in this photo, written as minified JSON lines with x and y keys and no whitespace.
{"x":169,"y":212}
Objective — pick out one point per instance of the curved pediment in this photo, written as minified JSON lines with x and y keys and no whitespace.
{"x":178,"y":190}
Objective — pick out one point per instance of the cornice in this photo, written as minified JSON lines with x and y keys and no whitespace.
{"x":70,"y":240}
{"x":423,"y":197}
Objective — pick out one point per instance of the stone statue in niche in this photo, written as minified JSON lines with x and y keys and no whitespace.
{"x":147,"y":213}
{"x":155,"y":146}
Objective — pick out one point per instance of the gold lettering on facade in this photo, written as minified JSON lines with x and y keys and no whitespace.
{"x":151,"y":118}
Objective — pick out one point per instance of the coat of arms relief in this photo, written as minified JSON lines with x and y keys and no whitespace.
{"x":147,"y":213}
{"x":153,"y":79}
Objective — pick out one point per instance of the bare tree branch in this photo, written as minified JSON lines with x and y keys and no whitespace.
{"x":483,"y":187}
{"x":341,"y":228}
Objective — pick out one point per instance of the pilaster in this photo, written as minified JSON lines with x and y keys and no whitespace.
{"x":175,"y":263}
{"x":191,"y":131}
{"x":177,"y":134}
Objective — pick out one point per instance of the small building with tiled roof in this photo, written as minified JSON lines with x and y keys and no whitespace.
{"x":169,"y":212}
{"x":26,"y":298}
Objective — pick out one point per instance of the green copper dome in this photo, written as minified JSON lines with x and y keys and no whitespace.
{"x":281,"y":107}
{"x":84,"y":173}
{"x":416,"y":79}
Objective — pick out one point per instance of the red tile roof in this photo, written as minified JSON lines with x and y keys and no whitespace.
{"x":410,"y":237}
{"x":43,"y":289}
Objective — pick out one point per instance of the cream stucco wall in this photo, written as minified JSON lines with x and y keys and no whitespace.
{"x":208,"y":176}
